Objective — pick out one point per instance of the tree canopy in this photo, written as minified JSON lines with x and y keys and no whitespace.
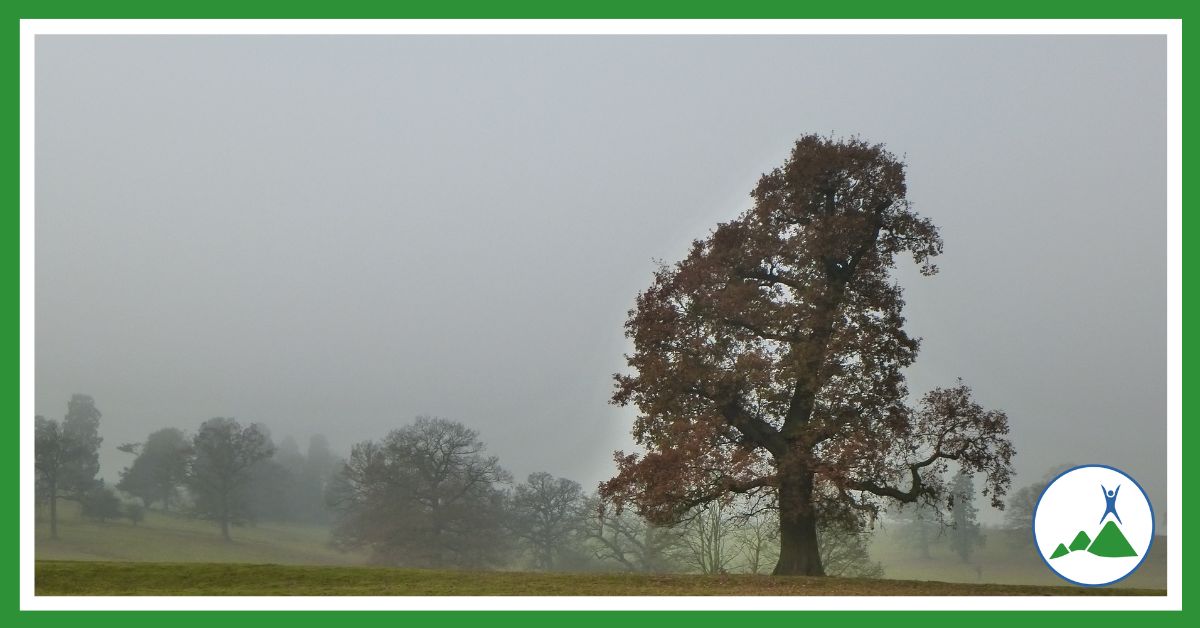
{"x":424,"y":495}
{"x":159,"y":469}
{"x":547,"y":513}
{"x":224,"y":455}
{"x":67,"y":455}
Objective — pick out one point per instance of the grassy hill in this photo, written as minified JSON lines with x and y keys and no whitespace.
{"x":103,"y":578}
{"x":170,"y":538}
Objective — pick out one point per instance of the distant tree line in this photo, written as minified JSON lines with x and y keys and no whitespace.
{"x":425,"y":495}
{"x":224,"y":472}
{"x":429,"y":495}
{"x":956,"y":530}
{"x":922,"y":527}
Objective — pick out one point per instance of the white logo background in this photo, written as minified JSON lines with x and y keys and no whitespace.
{"x":1075,"y":502}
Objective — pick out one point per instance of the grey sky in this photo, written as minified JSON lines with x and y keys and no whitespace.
{"x":335,"y":234}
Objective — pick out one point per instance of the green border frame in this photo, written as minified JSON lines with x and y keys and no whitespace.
{"x":16,"y":10}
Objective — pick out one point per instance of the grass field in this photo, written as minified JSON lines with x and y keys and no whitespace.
{"x":107,"y":578}
{"x":173,"y":555}
{"x":999,"y":561}
{"x":169,"y":538}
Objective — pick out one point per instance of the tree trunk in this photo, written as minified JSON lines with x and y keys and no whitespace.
{"x":53,"y":512}
{"x":225,"y":518}
{"x":799,"y":554}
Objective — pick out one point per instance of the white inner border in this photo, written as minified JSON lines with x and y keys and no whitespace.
{"x":1172,"y":29}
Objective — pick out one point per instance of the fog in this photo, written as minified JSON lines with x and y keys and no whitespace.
{"x":335,"y":234}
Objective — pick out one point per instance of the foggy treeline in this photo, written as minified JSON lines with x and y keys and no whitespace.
{"x":427,"y":494}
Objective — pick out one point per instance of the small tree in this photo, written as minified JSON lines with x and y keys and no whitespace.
{"x":135,"y":511}
{"x":1018,"y":518}
{"x":547,"y":515}
{"x":425,"y":496}
{"x":272,"y":492}
{"x":50,"y":452}
{"x":81,"y":427}
{"x":224,"y":453}
{"x":159,"y":468}
{"x":100,"y":503}
{"x":320,"y":465}
{"x":965,"y":533}
{"x":290,"y":486}
{"x":706,"y":535}
{"x":919,"y":527}
{"x":759,"y":541}
{"x":319,"y":461}
{"x":845,"y":551}
{"x":632,"y":542}
{"x":67,"y":455}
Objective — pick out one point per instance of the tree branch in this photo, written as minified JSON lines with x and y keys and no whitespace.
{"x":728,"y":485}
{"x":758,"y":274}
{"x":754,"y":428}
{"x":916,"y":490}
{"x":759,"y":331}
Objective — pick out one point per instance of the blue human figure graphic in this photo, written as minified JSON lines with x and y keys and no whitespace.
{"x":1110,"y":503}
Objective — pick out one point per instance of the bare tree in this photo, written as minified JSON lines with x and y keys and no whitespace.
{"x":845,"y":551}
{"x":547,"y":514}
{"x":844,"y":546}
{"x":630,"y":541}
{"x":706,"y":535}
{"x":759,"y":541}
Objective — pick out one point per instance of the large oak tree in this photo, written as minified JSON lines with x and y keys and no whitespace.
{"x":770,"y":361}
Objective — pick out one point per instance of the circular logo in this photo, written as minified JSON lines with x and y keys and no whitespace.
{"x":1093,"y":525}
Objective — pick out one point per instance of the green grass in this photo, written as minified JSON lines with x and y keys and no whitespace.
{"x":109,"y":578}
{"x":116,"y":558}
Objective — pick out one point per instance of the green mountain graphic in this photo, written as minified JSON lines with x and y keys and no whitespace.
{"x":1110,"y":543}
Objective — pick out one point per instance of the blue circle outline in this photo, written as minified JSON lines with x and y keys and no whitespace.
{"x":1038,"y":505}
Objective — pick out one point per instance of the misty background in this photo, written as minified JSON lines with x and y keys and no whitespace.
{"x":335,"y":234}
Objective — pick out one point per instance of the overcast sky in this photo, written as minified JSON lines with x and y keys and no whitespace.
{"x":336,"y":234}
